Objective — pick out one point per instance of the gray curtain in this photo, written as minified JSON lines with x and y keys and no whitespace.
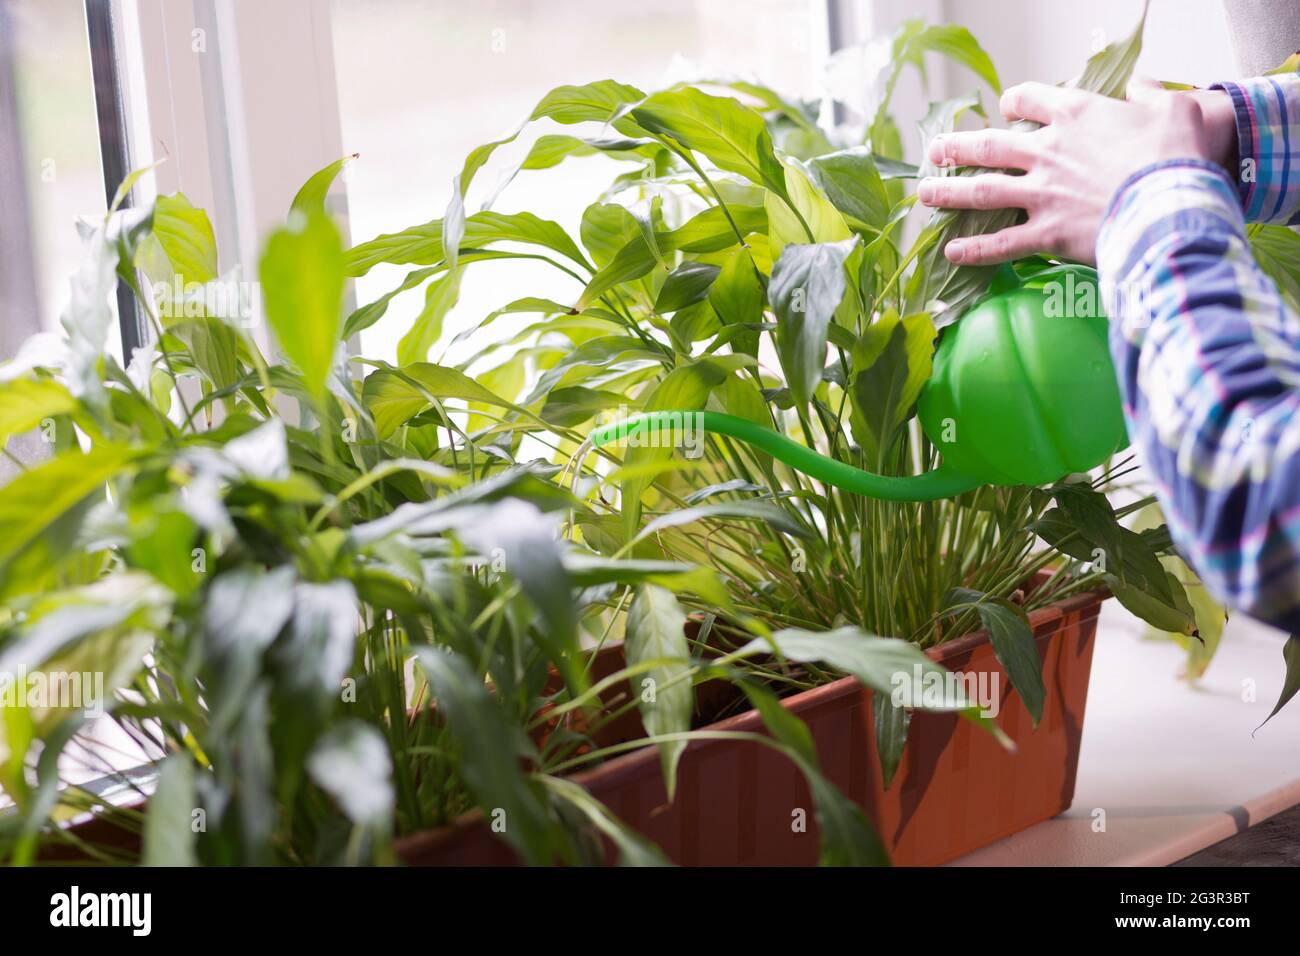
{"x":1263,"y":32}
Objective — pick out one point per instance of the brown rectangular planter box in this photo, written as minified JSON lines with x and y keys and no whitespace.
{"x":956,"y":789}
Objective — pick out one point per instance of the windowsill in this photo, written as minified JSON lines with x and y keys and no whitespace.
{"x":1173,"y":766}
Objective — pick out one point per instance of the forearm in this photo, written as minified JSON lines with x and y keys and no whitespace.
{"x":1266,"y":128}
{"x":1208,"y":358}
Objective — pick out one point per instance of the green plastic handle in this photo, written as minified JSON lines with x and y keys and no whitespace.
{"x":930,"y":486}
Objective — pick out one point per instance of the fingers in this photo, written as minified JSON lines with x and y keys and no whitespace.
{"x":995,"y":148}
{"x":1011,"y":243}
{"x":987,"y":191}
{"x":1040,"y":102}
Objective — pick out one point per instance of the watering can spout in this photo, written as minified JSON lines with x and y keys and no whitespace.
{"x":663,"y":429}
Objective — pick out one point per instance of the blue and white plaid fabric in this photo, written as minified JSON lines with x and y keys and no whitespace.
{"x":1208,"y":353}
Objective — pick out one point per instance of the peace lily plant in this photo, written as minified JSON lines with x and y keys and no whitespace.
{"x":754,"y":262}
{"x":336,"y":601}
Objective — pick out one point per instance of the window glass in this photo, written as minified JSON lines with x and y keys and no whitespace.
{"x":58,"y":137}
{"x":422,"y":84}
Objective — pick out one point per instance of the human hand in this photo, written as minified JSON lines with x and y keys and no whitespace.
{"x":1086,"y":148}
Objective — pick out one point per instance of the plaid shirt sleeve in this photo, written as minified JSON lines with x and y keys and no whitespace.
{"x":1208,"y":358}
{"x":1268,"y":141}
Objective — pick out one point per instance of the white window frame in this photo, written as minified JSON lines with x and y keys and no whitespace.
{"x":239,"y":103}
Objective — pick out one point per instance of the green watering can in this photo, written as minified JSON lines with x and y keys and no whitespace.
{"x":1022,"y":392}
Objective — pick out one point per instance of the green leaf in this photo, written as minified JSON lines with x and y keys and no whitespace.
{"x":169,"y":838}
{"x":394,"y":396}
{"x":891,"y":364}
{"x":764,"y":512}
{"x":424,"y":244}
{"x":847,"y":836}
{"x":27,"y":402}
{"x":552,"y":149}
{"x":1173,"y":614}
{"x":807,"y":285}
{"x":526,"y":538}
{"x":887,"y":665}
{"x":1291,"y":684}
{"x":940,"y":118}
{"x":891,"y":723}
{"x":310,"y":198}
{"x":1277,"y":250}
{"x":571,"y":406}
{"x":45,"y":493}
{"x":686,"y":285}
{"x":590,"y":570}
{"x":686,"y":388}
{"x":852,"y":184}
{"x":731,"y":135}
{"x":738,"y":298}
{"x":351,"y":763}
{"x":633,"y":848}
{"x":597,"y":102}
{"x":631,"y":262}
{"x":214,"y":347}
{"x":1108,"y":71}
{"x":367,"y":315}
{"x":656,"y":631}
{"x":711,"y":231}
{"x":805,"y":216}
{"x":186,"y":237}
{"x":959,"y":45}
{"x":426,"y":329}
{"x":491,"y":750}
{"x":605,"y":229}
{"x":1013,"y":643}
{"x":302,"y":291}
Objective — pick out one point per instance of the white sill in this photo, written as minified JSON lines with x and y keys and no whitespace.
{"x":1173,"y":765}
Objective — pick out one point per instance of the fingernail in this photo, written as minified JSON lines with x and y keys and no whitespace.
{"x":937,"y":151}
{"x":925,"y":191}
{"x":955,"y":250}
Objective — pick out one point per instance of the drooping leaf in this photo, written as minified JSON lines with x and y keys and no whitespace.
{"x":589,"y":570}
{"x":633,"y":848}
{"x":656,"y":631}
{"x":1013,"y":643}
{"x":887,"y":665}
{"x":765,"y":512}
{"x":891,"y":723}
{"x":1291,"y":682}
{"x":847,"y":836}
